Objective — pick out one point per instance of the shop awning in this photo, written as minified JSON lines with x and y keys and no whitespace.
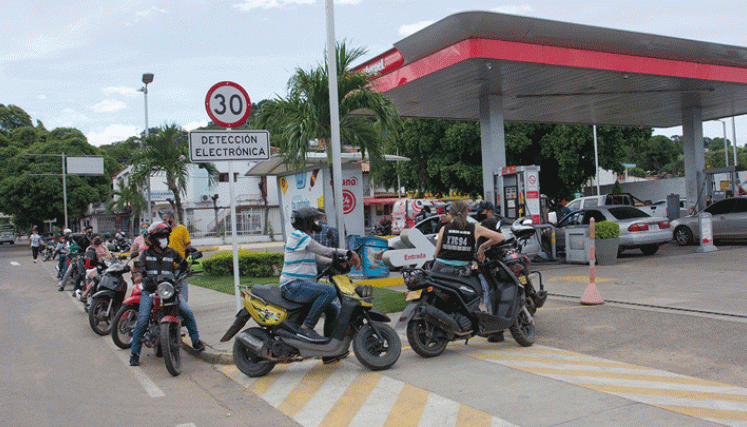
{"x":367,"y":201}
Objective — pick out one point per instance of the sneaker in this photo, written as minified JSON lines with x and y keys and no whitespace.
{"x":135,"y":360}
{"x":198,"y":346}
{"x":34,"y":261}
{"x":60,"y":288}
{"x":498,"y":337}
{"x":332,"y":359}
{"x":310,"y":335}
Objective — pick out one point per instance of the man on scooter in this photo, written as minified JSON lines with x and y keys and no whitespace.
{"x":298,"y":278}
{"x":159,"y":259}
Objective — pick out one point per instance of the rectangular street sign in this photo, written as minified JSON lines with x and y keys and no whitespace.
{"x":224,"y":145}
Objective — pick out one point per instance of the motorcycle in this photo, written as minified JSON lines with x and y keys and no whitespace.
{"x":48,"y":253}
{"x":256,"y":350}
{"x":108,"y":295}
{"x":118,"y":245}
{"x":163,"y":332}
{"x":445,"y":307}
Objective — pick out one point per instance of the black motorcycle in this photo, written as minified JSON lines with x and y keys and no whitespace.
{"x":118,"y":244}
{"x":106,"y":299}
{"x":445,"y":307}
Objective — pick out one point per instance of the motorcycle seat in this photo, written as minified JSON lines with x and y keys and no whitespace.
{"x":455,"y":281}
{"x":272,"y":295}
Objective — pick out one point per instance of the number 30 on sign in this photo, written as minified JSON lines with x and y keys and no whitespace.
{"x":228,"y":104}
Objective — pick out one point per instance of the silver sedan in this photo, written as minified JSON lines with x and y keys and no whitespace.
{"x":638,"y":230}
{"x":728,"y":218}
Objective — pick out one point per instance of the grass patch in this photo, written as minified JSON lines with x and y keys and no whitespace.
{"x":385,"y":300}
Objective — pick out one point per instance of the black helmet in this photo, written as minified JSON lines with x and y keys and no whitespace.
{"x":156,"y":231}
{"x":305,"y":219}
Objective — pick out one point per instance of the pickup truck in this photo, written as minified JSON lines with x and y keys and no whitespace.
{"x":7,"y":234}
{"x":622,"y":199}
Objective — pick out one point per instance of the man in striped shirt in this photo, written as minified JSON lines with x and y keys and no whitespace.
{"x":298,"y":278}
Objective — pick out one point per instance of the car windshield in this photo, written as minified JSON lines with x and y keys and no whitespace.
{"x":627,"y":212}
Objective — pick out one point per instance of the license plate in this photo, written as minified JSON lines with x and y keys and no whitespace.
{"x":413,"y":295}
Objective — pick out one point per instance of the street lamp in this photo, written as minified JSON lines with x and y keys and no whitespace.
{"x":147,"y":78}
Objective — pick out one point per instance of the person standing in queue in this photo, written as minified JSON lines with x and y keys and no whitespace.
{"x":179,"y":241}
{"x":298,"y":278}
{"x":485,"y":214}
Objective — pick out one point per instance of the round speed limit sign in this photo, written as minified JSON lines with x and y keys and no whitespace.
{"x":228,"y":104}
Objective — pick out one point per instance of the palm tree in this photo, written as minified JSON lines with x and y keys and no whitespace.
{"x":167,"y":151}
{"x":366,"y":116}
{"x":129,"y":199}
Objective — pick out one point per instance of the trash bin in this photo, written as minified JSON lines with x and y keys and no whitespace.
{"x":370,"y":250}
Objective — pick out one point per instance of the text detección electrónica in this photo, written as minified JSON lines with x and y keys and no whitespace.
{"x":229,"y":139}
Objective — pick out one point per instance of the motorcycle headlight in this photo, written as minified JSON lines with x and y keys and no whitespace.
{"x":165,"y":290}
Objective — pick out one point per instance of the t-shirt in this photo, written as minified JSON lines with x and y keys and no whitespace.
{"x":302,"y":253}
{"x":179,"y":239}
{"x":35,"y":240}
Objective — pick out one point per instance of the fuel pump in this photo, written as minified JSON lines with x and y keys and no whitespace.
{"x":521,"y":194}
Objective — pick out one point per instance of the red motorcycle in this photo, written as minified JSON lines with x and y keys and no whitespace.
{"x":163,"y":332}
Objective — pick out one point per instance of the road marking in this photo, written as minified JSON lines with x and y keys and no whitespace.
{"x":709,"y":400}
{"x":579,"y":279}
{"x":346,"y":394}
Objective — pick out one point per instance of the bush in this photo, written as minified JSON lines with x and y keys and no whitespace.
{"x":251,"y":264}
{"x":606,"y":230}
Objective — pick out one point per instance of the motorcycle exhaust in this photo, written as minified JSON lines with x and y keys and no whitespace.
{"x":251,"y":341}
{"x":441,"y":320}
{"x":539,"y":298}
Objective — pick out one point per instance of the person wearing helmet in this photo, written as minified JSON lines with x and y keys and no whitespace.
{"x":159,"y":259}
{"x":180,"y":241}
{"x":298,"y":278}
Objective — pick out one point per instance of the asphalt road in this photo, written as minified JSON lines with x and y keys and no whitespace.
{"x":56,"y":371}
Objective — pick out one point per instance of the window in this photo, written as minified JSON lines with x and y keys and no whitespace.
{"x":741,"y":206}
{"x":721,"y":207}
{"x":223,"y":177}
{"x":591,"y":202}
{"x":625,"y":212}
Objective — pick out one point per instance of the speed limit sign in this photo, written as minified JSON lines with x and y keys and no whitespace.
{"x":228,"y":104}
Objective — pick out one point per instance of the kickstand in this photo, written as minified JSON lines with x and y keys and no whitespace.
{"x":466,"y":341}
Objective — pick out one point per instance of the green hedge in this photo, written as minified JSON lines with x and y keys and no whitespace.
{"x":251,"y":264}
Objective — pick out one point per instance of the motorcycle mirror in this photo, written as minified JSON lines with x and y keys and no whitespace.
{"x":134,"y":255}
{"x":196,"y":255}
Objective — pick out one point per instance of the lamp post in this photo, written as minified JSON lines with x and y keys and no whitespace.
{"x":147,"y":78}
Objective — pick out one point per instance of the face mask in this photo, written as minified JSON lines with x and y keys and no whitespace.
{"x":163,"y":243}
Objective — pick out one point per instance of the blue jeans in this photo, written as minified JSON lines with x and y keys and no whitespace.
{"x":81,"y":272}
{"x":143,"y":314}
{"x":62,"y":266}
{"x":320,"y":295}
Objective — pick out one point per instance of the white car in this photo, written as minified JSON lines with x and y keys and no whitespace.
{"x":728,"y":219}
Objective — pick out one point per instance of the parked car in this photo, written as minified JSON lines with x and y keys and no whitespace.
{"x":663,"y":204}
{"x":638,"y":230}
{"x":729,"y":222}
{"x":623,"y":199}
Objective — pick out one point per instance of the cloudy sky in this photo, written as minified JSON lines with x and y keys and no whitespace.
{"x":79,"y":63}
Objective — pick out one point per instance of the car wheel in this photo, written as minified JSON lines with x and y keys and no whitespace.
{"x":683,"y":235}
{"x":649,"y":249}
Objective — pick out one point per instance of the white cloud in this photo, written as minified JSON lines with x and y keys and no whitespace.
{"x":113,"y":133}
{"x":121,"y":90}
{"x":194,"y":125}
{"x":515,"y":9}
{"x":109,"y":106}
{"x":407,"y":30}
{"x":270,"y":4}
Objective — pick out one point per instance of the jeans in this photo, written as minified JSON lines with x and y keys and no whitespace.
{"x":486,"y":294}
{"x":62,"y":266}
{"x":81,"y":272}
{"x":320,"y":295}
{"x":143,"y":315}
{"x":35,"y":251}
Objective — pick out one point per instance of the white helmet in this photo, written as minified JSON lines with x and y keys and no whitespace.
{"x":67,"y":231}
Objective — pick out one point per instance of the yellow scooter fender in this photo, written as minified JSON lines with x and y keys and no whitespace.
{"x":242,"y":317}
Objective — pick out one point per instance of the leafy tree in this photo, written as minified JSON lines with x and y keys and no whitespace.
{"x":122,"y":151}
{"x":12,"y":118}
{"x":304,"y":114}
{"x":30,"y":181}
{"x":637,"y":172}
{"x":617,"y":188}
{"x":127,"y":198}
{"x":167,"y":151}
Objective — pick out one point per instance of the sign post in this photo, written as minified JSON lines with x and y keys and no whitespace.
{"x":228,"y":105}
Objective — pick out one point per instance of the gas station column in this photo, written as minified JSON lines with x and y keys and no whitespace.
{"x":692,"y":136}
{"x":493,"y":142}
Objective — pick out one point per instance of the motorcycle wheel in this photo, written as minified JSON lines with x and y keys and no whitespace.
{"x":97,"y":318}
{"x":417,"y":336}
{"x":171,"y":347}
{"x":374,"y":353}
{"x":523,"y":330}
{"x":247,"y":360}
{"x":124,"y":325}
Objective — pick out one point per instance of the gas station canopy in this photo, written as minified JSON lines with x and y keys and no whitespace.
{"x":556,"y":72}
